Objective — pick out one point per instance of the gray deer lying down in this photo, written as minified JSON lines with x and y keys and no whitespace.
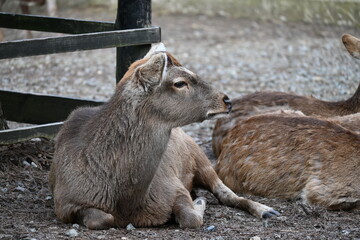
{"x":285,"y":154}
{"x":258,"y":102}
{"x":127,"y":162}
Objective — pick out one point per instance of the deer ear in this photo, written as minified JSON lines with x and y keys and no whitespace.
{"x":160,"y":47}
{"x":352,"y":44}
{"x":153,"y":72}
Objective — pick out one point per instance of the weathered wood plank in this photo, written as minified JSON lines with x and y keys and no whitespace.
{"x":3,"y":123}
{"x":86,"y":41}
{"x":52,"y":24}
{"x":39,"y":109}
{"x":131,"y":14}
{"x":10,"y":136}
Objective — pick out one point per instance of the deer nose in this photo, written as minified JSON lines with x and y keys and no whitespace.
{"x":227,"y":103}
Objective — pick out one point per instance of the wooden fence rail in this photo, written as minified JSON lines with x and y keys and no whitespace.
{"x":80,"y":42}
{"x":132,"y":35}
{"x":52,"y":24}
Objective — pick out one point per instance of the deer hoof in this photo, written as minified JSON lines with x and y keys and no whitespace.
{"x":270,"y":213}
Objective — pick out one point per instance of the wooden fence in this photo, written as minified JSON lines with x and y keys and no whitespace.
{"x":132,"y":35}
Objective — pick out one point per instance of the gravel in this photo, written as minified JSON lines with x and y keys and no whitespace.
{"x":237,"y":56}
{"x":72,"y":233}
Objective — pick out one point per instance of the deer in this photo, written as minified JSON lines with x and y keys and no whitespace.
{"x":290,"y":154}
{"x":287,"y":155}
{"x":128,"y":161}
{"x":258,"y":102}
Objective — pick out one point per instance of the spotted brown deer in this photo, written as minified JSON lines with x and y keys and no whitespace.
{"x":128,"y":162}
{"x":286,"y":154}
{"x":259,"y":102}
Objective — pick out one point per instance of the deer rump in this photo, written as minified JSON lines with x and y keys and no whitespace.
{"x":288,"y":155}
{"x":127,"y":162}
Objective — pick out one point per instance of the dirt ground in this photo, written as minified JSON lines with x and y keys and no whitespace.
{"x":238,"y":57}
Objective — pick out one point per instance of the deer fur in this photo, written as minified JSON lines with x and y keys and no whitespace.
{"x":258,"y":102}
{"x":288,"y":155}
{"x":128,"y":162}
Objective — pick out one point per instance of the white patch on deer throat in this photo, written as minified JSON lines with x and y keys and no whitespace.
{"x":215,"y":115}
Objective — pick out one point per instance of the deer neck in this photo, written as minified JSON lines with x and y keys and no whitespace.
{"x":353,"y":103}
{"x":132,"y":146}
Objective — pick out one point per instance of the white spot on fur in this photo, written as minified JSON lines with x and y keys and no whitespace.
{"x":163,"y":75}
{"x":297,"y":112}
{"x":215,"y":115}
{"x":160,"y":48}
{"x":247,"y":159}
{"x":155,"y":48}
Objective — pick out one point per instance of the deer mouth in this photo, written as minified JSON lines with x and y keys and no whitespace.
{"x":216,"y":115}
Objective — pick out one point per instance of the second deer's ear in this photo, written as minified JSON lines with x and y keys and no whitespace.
{"x":352,"y":44}
{"x":153,"y":72}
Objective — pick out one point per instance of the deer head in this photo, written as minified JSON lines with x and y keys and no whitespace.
{"x":167,"y":91}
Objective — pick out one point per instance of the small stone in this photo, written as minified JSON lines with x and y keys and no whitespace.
{"x":282,"y":218}
{"x":34,"y":165}
{"x":237,"y":214}
{"x":21,"y":189}
{"x":4,"y":190}
{"x":130,"y":227}
{"x":217,"y":238}
{"x":265,"y":223}
{"x":210,"y":228}
{"x":49,"y":198}
{"x":26,"y":164}
{"x":72,"y":233}
{"x":277,"y":236}
{"x":255,"y":238}
{"x":32,"y":230}
{"x":76,"y":226}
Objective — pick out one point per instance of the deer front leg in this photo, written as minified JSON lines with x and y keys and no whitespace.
{"x":207,"y":178}
{"x":96,"y":219}
{"x":188,"y":213}
{"x":229,"y":198}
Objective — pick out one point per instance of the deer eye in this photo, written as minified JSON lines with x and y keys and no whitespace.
{"x":180,"y":84}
